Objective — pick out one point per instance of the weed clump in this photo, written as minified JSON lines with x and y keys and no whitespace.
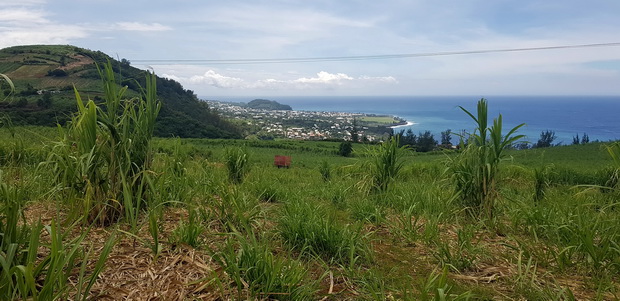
{"x":252,"y":265}
{"x":310,"y":229}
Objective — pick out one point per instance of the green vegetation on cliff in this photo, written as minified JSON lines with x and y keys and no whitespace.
{"x":44,"y":76}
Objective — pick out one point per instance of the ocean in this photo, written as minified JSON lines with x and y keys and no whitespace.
{"x":567,"y":116}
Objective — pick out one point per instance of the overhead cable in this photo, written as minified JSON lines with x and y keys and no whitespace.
{"x":361,"y":57}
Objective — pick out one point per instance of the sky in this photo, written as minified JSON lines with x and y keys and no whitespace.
{"x":162,"y":34}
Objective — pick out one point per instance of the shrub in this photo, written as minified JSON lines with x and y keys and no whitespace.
{"x":57,"y":73}
{"x":345,"y":149}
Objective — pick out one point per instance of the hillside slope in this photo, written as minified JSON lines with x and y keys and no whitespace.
{"x":44,"y":76}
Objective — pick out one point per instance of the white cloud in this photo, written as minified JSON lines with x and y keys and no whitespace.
{"x":137,"y":26}
{"x":25,"y":25}
{"x":30,"y":23}
{"x":382,"y":79}
{"x":48,"y":34}
{"x":322,"y":81}
{"x":22,"y":16}
{"x":325,"y":78}
{"x":214,"y":79}
{"x":22,"y":3}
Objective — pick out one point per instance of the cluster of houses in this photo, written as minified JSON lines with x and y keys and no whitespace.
{"x":291,"y":124}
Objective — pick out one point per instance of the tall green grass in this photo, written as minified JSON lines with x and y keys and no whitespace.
{"x":235,"y":210}
{"x":311,"y":229}
{"x":24,"y":274}
{"x":253,"y":266}
{"x":385,"y":164}
{"x":104,"y":156}
{"x":237,"y":162}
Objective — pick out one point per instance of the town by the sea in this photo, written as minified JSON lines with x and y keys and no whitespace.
{"x":567,"y":116}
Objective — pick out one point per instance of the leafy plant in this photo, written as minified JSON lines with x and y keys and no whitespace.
{"x":11,"y":90}
{"x":234,"y":209}
{"x":366,"y":209}
{"x":25,"y":276}
{"x":474,"y":171}
{"x":408,"y":226}
{"x":614,"y":153}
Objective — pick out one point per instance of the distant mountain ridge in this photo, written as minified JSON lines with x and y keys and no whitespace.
{"x":44,"y":76}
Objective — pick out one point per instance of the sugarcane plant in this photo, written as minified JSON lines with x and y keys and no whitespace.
{"x":474,"y":170}
{"x":104,"y":156}
{"x":385,"y":165}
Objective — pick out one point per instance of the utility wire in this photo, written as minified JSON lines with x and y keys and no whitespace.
{"x":362,"y":57}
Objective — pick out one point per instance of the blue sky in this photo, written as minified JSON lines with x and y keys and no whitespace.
{"x":213,"y":30}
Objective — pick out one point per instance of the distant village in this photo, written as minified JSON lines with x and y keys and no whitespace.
{"x":270,"y":124}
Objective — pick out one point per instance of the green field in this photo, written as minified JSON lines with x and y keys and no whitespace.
{"x":382,"y":120}
{"x":319,"y":230}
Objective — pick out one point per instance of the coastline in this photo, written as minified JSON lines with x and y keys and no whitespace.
{"x":409,"y":123}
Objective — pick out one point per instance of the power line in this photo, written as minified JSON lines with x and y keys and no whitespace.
{"x":362,"y":57}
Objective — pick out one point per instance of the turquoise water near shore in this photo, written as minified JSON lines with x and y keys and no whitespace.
{"x":598,"y":116}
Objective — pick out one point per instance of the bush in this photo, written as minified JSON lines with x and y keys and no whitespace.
{"x":57,"y":73}
{"x":345,"y":149}
{"x":45,"y":102}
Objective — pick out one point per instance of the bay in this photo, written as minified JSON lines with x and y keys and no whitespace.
{"x":567,"y":116}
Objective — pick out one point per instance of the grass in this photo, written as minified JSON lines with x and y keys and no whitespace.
{"x":252,"y":266}
{"x":312,"y":230}
{"x":237,"y":163}
{"x":299,"y":234}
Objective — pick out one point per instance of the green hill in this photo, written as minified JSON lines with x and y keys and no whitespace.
{"x":265,"y":104}
{"x":44,"y":76}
